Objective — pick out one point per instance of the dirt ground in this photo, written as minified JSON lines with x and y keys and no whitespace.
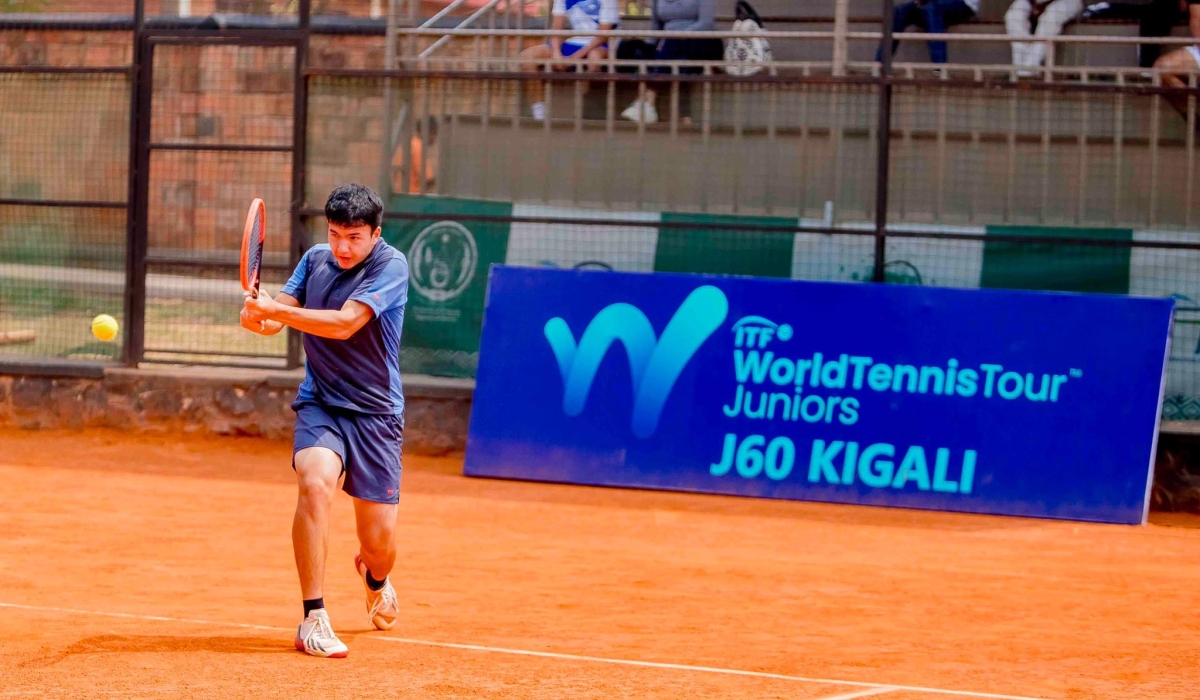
{"x":137,"y":566}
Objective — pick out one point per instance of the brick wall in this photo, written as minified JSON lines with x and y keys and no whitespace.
{"x":201,"y":8}
{"x":66,"y":137}
{"x":65,"y":48}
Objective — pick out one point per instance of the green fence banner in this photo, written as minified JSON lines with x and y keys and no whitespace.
{"x":448,"y":261}
{"x":1051,"y":266}
{"x":725,"y":252}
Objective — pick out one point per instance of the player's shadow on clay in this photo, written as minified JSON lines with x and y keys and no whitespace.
{"x":125,"y":644}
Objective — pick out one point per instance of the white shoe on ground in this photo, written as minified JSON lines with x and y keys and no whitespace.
{"x":315,"y":636}
{"x":382,"y":605}
{"x":641,"y":111}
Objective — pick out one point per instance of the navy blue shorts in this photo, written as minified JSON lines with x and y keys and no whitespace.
{"x":369,"y":446}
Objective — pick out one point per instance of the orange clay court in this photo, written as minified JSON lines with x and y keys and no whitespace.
{"x":161,"y":567}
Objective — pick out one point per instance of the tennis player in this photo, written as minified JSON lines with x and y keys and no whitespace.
{"x":347,"y":297}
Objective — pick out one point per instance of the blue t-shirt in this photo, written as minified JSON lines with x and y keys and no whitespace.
{"x":587,"y":16}
{"x":361,"y":373}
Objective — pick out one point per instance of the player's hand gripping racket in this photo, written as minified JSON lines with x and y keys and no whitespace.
{"x":253,"y":238}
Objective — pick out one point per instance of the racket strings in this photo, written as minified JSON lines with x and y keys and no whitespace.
{"x":255,"y":253}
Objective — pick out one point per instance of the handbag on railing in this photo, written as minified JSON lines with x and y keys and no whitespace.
{"x":746,"y":56}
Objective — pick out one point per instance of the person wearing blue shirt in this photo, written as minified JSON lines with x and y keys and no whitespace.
{"x":586,"y":51}
{"x":347,"y":297}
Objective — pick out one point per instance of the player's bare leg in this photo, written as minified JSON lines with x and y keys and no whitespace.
{"x":1176,"y":65}
{"x":376,"y":524}
{"x":317,"y":472}
{"x":535,"y":90}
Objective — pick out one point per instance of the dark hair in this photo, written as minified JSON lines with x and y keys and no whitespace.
{"x":354,"y":205}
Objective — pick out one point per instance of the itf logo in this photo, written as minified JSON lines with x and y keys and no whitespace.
{"x":654,"y":363}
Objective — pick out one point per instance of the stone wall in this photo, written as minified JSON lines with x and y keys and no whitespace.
{"x":214,"y":401}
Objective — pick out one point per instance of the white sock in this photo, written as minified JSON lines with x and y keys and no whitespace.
{"x":539,"y":111}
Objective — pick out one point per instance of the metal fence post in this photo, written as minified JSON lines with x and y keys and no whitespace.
{"x":387,"y":149}
{"x":883,"y":157}
{"x":136,"y":237}
{"x":299,"y":230}
{"x":841,"y":10}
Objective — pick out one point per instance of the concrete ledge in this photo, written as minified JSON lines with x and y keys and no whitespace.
{"x":52,"y":367}
{"x":213,"y":400}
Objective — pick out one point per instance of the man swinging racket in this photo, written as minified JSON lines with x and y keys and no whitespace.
{"x":347,"y":297}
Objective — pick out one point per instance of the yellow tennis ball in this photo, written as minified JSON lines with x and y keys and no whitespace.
{"x":104,"y":327}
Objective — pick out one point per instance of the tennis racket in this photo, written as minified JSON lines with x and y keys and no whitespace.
{"x":253,"y":238}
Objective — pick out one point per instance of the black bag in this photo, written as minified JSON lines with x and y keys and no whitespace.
{"x":746,"y":11}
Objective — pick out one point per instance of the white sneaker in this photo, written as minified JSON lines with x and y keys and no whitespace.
{"x":641,"y":111}
{"x":315,"y":636}
{"x":382,"y":605}
{"x":539,"y":111}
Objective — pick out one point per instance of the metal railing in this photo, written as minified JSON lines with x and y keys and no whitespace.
{"x":490,"y":49}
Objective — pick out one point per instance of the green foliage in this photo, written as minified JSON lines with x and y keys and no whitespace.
{"x":34,"y":244}
{"x":22,"y":6}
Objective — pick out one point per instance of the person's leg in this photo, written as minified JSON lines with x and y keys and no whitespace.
{"x":1175,"y":66}
{"x":903,"y":16}
{"x":317,"y":472}
{"x":1055,"y":17}
{"x":534,"y":58}
{"x":1158,"y":17}
{"x":373,"y":463}
{"x":376,"y":525}
{"x":318,"y":455}
{"x":1017,"y":24}
{"x":593,"y":62}
{"x":940,"y":15}
{"x":644,"y":108}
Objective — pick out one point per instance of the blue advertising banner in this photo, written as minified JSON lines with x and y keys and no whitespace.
{"x":1007,"y":402}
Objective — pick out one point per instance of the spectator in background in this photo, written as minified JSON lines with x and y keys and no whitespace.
{"x":678,"y":16}
{"x":1037,"y":18}
{"x":1158,"y":18}
{"x":422,"y":155}
{"x":1179,"y":62}
{"x":931,"y":17}
{"x":587,"y":50}
{"x":1155,"y":18}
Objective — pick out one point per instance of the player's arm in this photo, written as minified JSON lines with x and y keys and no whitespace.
{"x":1194,"y":19}
{"x":267,"y":327}
{"x":338,"y":324}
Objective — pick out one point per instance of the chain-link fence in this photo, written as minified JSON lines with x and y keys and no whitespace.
{"x":64,"y":150}
{"x":1078,"y":182}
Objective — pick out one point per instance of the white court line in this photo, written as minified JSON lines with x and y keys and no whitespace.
{"x":861,"y":693}
{"x":879,"y":687}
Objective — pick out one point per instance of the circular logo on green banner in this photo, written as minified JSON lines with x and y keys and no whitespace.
{"x":442,"y":261}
